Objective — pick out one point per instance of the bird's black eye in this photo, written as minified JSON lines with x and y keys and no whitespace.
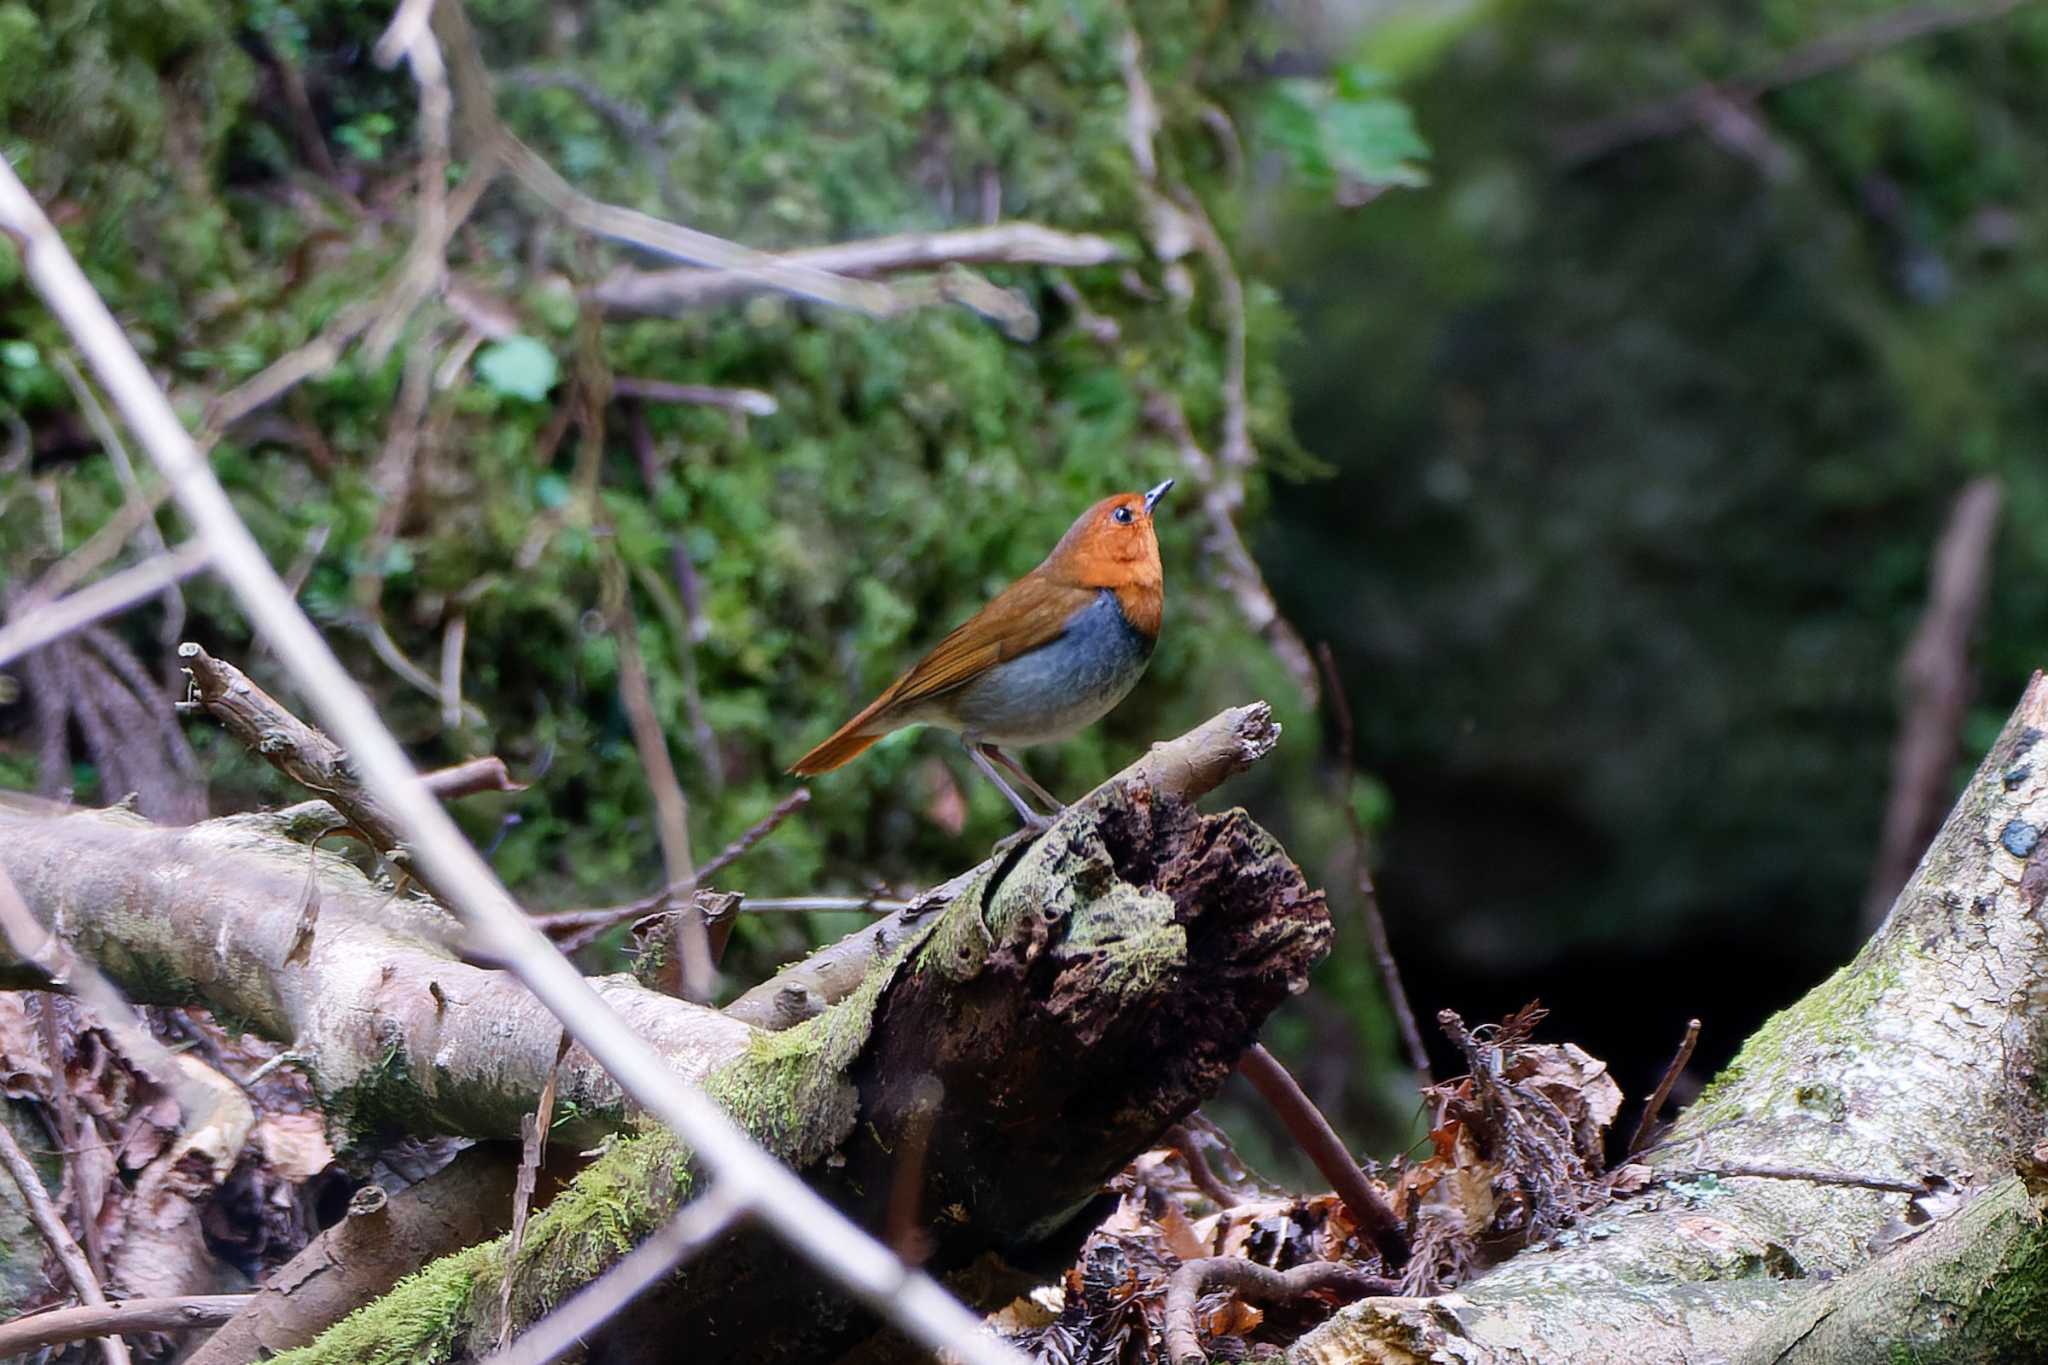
{"x":1121,"y":516}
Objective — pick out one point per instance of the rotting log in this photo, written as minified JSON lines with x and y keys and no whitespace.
{"x":1921,"y":1058}
{"x":1079,"y":996}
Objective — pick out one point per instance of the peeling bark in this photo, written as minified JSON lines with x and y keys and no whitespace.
{"x":1922,"y":1056}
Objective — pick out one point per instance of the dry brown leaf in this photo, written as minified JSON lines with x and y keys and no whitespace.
{"x":1232,"y":1318}
{"x":23,"y":1073}
{"x":294,"y":1145}
{"x":1572,"y":1079}
{"x":1633,"y":1178}
{"x":1180,"y":1236}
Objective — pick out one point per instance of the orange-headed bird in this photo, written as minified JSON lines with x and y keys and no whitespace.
{"x":1051,"y":655}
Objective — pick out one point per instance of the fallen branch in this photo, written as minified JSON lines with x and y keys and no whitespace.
{"x":56,"y":1326}
{"x":1907,"y":1061}
{"x":674,"y":291}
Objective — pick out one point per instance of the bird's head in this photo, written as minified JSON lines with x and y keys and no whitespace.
{"x":1112,"y":545}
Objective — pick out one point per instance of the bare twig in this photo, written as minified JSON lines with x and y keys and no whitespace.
{"x":1934,"y":694}
{"x":101,"y":546}
{"x":675,"y":291}
{"x":117,"y":592}
{"x":796,"y":1212}
{"x":753,"y":402}
{"x":577,"y":927}
{"x":1601,"y":138}
{"x":71,"y":1134}
{"x":865,"y":905}
{"x":1258,"y":1284}
{"x":1182,"y":1139}
{"x":1222,"y":492}
{"x":425,"y":270}
{"x":693,"y":1227}
{"x":1804,"y":1174}
{"x":56,"y":1326}
{"x":680,"y":610}
{"x":110,"y":440}
{"x":533,"y":1148}
{"x":50,"y":1224}
{"x":291,"y":746}
{"x":453,"y":637}
{"x":1663,"y":1090}
{"x":691,"y":944}
{"x":1320,"y":1143}
{"x":486,"y":774}
{"x":1368,"y":893}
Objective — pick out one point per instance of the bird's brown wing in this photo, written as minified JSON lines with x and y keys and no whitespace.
{"x":1029,"y":613}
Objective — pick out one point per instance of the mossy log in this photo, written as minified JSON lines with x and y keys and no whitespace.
{"x":1923,"y":1057}
{"x":1005,"y":1059}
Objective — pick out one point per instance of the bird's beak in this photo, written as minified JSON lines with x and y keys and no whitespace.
{"x":1153,"y":496}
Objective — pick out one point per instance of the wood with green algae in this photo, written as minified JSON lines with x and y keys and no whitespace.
{"x":1924,"y":1056}
{"x":1074,"y":1001}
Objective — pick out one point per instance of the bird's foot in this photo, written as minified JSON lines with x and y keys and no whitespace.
{"x":1017,"y":838}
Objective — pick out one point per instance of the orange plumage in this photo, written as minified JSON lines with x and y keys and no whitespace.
{"x":1054,"y":652}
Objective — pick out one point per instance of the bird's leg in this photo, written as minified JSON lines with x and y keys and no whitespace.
{"x":1031,"y":818}
{"x":1052,"y":803}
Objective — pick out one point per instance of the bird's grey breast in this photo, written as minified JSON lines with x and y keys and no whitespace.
{"x":1063,"y":686}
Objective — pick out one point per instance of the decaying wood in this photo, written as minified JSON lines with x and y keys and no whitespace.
{"x":1188,"y":767}
{"x":1920,"y":1058}
{"x":1073,"y":1000}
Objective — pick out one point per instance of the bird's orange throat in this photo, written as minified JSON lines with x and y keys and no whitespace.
{"x":1143,"y":604}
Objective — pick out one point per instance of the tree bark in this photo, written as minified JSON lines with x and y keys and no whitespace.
{"x":298,"y":946}
{"x":1920,"y":1058}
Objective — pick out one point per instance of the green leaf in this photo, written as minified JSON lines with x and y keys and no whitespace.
{"x":1344,"y":130}
{"x":19,"y":355}
{"x":518,"y":367}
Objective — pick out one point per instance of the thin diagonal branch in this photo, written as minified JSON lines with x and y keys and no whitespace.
{"x":62,"y":1245}
{"x":109,"y":596}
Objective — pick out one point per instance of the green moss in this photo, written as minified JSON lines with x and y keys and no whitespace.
{"x":1768,"y":1065}
{"x":417,"y":1323}
{"x":384,"y":1099}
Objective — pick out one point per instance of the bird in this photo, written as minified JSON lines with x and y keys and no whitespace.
{"x":1049,"y":656}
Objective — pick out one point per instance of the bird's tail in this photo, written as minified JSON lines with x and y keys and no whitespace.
{"x":845,"y":745}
